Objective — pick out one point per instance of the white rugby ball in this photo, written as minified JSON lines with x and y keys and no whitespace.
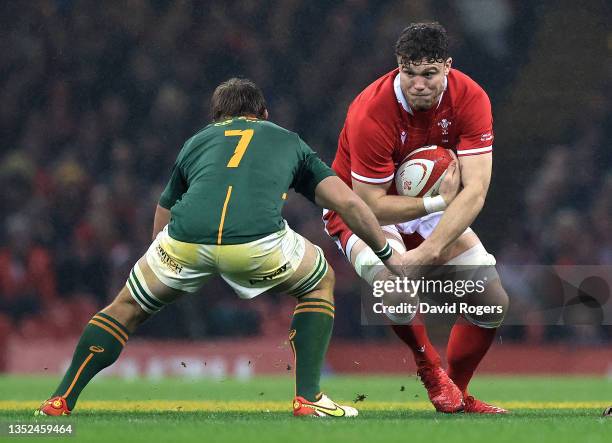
{"x":422,"y":171}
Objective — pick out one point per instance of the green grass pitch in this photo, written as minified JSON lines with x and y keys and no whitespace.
{"x":544,"y":409}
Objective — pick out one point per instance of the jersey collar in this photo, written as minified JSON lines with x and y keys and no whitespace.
{"x":399,"y":95}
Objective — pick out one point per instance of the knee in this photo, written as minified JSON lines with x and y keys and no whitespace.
{"x":325,"y":288}
{"x":503,"y":299}
{"x":494,"y":304}
{"x":330,"y":277}
{"x":126,"y":310}
{"x":497,"y":296}
{"x":399,"y":305}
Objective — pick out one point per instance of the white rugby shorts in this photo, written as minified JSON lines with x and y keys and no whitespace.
{"x":249,"y":268}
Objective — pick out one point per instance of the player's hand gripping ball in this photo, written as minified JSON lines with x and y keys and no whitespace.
{"x":422,"y":171}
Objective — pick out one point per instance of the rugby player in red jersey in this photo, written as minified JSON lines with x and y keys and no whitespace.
{"x":425,"y":102}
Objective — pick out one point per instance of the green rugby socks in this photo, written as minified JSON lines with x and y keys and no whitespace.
{"x":311,"y":329}
{"x":100,"y":345}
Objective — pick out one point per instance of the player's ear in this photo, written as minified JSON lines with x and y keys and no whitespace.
{"x":265,"y":114}
{"x":447,"y":65}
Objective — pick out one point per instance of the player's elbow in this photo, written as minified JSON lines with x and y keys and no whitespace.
{"x":350,"y":205}
{"x":372,"y":202}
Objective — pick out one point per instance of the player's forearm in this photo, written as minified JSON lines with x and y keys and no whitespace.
{"x":394,"y":209}
{"x":360,"y":219}
{"x":334,"y":194}
{"x":162,"y":218}
{"x":460,"y":214}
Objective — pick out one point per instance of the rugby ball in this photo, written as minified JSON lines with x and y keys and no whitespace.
{"x":422,"y":171}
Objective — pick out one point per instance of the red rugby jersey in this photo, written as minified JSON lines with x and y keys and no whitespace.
{"x":380,"y":129}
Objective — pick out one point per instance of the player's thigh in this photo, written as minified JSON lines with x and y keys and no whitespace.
{"x":152,"y":282}
{"x":465,"y":242}
{"x":313,"y":277}
{"x":281,"y":262}
{"x":168,"y":269}
{"x":146,"y":289}
{"x":134,"y":304}
{"x":367,"y":265}
{"x":490,"y":300}
{"x":371,"y":269}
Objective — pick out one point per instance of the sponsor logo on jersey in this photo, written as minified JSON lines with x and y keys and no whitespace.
{"x":486,"y":137}
{"x":269,"y":276}
{"x":168,"y":261}
{"x":96,"y":349}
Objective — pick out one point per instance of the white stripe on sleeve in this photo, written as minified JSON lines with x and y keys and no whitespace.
{"x":475,"y":150}
{"x":372,"y":180}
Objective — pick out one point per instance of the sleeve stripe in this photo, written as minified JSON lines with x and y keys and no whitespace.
{"x":361,"y":178}
{"x":474,"y":151}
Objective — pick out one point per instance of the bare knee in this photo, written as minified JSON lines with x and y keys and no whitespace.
{"x":329,"y":280}
{"x":494,"y":303}
{"x":400,"y":305}
{"x":497,"y":296}
{"x":126,"y":310}
{"x":325,"y":289}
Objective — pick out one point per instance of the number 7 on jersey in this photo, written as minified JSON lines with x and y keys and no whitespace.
{"x":245,"y":138}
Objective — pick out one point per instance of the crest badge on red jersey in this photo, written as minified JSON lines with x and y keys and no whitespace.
{"x":444,"y":124}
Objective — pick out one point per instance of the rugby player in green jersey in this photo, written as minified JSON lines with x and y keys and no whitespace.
{"x":221,"y":214}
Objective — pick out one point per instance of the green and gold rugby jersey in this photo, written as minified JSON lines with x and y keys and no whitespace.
{"x":230,"y":181}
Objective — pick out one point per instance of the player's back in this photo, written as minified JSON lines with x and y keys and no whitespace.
{"x":235,"y":177}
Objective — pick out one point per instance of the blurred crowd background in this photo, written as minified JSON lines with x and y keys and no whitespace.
{"x":96,"y":99}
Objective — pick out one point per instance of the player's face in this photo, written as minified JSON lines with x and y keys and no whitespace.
{"x":423,"y":83}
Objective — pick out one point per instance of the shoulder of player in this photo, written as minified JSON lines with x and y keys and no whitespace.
{"x":275,"y":135}
{"x":376,"y":105}
{"x":214,"y":129}
{"x":197,"y":139}
{"x":272,"y":127}
{"x":377,"y":94}
{"x":468,"y":98}
{"x":374,"y":119}
{"x":280,"y":134}
{"x":463,"y":88}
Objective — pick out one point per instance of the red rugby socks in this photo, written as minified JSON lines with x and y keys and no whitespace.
{"x":467,"y":345}
{"x":415,"y":336}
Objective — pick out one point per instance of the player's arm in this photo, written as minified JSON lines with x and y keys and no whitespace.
{"x":319,"y":184}
{"x":371,"y":143}
{"x":334,"y":194}
{"x":475,"y":162}
{"x":162,"y":218}
{"x":393,"y":209}
{"x":475,"y":177}
{"x":176,"y":187}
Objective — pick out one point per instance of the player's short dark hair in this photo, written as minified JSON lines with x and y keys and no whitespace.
{"x":237,"y":97}
{"x":420,"y":41}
